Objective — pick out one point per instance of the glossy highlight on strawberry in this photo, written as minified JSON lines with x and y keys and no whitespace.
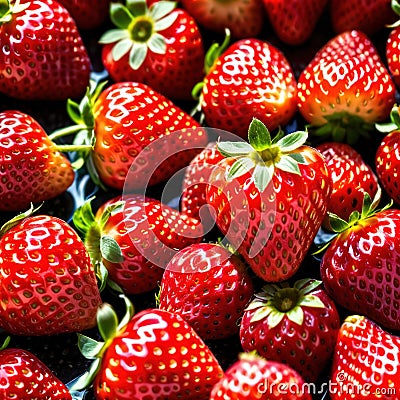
{"x":47,"y":283}
{"x":42,"y":53}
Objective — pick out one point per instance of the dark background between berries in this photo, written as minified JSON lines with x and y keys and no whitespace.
{"x":60,"y":352}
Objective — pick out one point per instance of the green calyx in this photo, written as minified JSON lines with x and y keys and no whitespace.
{"x":394,"y":123}
{"x":342,"y":127}
{"x":109,"y":328}
{"x":262,"y":154}
{"x":396,"y":8}
{"x":7,"y":10}
{"x":276,"y":301}
{"x":339,"y":225}
{"x":18,"y":219}
{"x":99,"y":246}
{"x":213,"y":53}
{"x":138,"y":28}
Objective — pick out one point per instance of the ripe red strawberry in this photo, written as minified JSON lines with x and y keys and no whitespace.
{"x":366,"y":16}
{"x":207,"y":286}
{"x":134,"y":238}
{"x":47,"y":283}
{"x":252,"y":78}
{"x":137,"y":131}
{"x":32,"y":169}
{"x":270,"y":198}
{"x":294,"y":21}
{"x":358,"y":267}
{"x":156,"y":44}
{"x":25,"y":377}
{"x":88,"y":14}
{"x":296,"y":325}
{"x":351,"y":178}
{"x":154,"y":354}
{"x":42,"y":54}
{"x":392,"y":45}
{"x":243,"y":18}
{"x":366,"y":362}
{"x":193,"y":199}
{"x":257,"y":378}
{"x":387,"y":157}
{"x":346,"y":88}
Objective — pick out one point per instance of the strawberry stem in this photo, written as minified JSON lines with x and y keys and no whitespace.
{"x":74,"y":147}
{"x":69,"y":130}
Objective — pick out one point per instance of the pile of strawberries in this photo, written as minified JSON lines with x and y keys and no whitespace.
{"x":273,"y":269}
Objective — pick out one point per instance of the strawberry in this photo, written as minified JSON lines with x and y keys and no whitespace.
{"x":387,"y":157}
{"x":134,"y":238}
{"x":47,"y":283}
{"x":358,"y":267}
{"x":89,"y":14}
{"x":296,"y":325}
{"x":209,"y":287}
{"x":193,"y":199}
{"x":243,"y":18}
{"x":257,"y":378}
{"x":140,"y":137}
{"x":154,"y":354}
{"x":351,"y":178}
{"x":25,"y":377}
{"x":392,"y":46}
{"x":294,"y":21}
{"x":42,"y":53}
{"x":32,"y":169}
{"x":270,"y":198}
{"x":345,"y":89}
{"x":249,"y":79}
{"x":367,"y":16}
{"x":159,"y":45}
{"x":366,"y":362}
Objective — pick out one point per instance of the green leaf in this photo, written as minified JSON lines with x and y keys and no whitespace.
{"x":114,"y":35}
{"x":292,"y":141}
{"x":296,"y":315}
{"x":74,"y":111}
{"x":337,"y":224}
{"x":165,"y":22}
{"x":90,"y":348}
{"x":110,"y":250}
{"x":274,"y":318}
{"x":107,"y":322}
{"x":161,"y":9}
{"x":311,"y":301}
{"x":87,"y":378}
{"x":298,"y":157}
{"x":234,"y":149}
{"x":259,"y":136}
{"x":137,"y":7}
{"x":102,"y":276}
{"x":157,"y":44}
{"x":5,"y":343}
{"x":262,"y":176}
{"x":366,"y":205}
{"x":17,"y":219}
{"x":120,"y":15}
{"x":4,"y":8}
{"x":137,"y":55}
{"x":306,"y":285}
{"x":288,"y":164}
{"x":261,"y":314}
{"x":255,"y":304}
{"x":110,"y":210}
{"x":130,"y":310}
{"x":215,"y":51}
{"x":83,"y":217}
{"x":121,"y":48}
{"x":386,"y":127}
{"x":240,"y":167}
